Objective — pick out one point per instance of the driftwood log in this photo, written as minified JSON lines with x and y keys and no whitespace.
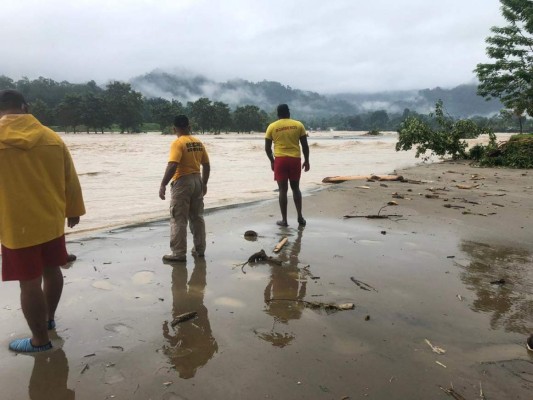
{"x":340,"y":179}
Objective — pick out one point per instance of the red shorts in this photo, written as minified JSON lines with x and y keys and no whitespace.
{"x":287,"y":168}
{"x":29,"y":262}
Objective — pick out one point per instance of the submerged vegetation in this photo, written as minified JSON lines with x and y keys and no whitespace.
{"x":444,"y":137}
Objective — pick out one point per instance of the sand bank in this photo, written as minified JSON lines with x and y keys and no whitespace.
{"x":428,"y":270}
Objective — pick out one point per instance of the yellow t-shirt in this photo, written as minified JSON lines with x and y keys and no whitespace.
{"x":286,"y":134}
{"x":189,"y":152}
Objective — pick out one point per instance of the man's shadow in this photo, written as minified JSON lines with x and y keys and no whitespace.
{"x":190,"y":343}
{"x":49,"y":377}
{"x":287,"y":285}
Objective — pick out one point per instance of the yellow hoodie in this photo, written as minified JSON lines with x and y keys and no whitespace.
{"x":39,"y":186}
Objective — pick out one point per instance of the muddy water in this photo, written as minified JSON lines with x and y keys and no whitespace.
{"x":120,"y":174}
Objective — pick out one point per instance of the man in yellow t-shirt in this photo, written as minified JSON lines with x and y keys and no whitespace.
{"x":287,"y":135}
{"x":188,"y":187}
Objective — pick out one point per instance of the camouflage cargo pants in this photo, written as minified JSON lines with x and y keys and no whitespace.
{"x":187,"y":206}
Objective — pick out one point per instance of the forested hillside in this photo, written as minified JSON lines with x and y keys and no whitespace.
{"x":461,"y":101}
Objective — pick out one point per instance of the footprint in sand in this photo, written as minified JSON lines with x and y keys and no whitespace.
{"x":103,"y":285}
{"x":118,"y":328}
{"x":112,"y":376}
{"x":142,"y":277}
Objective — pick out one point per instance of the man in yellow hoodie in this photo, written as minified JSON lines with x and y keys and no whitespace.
{"x":39,"y":188}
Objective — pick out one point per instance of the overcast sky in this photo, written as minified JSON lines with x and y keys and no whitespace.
{"x":320,"y":45}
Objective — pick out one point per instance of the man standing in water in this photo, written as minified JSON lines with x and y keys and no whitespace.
{"x":39,"y":188}
{"x":188,"y":188}
{"x":287,"y":135}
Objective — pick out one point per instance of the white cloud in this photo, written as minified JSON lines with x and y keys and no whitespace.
{"x":340,"y":45}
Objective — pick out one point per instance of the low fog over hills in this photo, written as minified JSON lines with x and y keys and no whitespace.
{"x":461,"y":101}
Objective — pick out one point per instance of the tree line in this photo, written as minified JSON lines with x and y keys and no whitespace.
{"x":91,"y":108}
{"x":73,"y":107}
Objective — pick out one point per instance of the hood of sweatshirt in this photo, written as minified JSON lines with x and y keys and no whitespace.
{"x":21,"y":131}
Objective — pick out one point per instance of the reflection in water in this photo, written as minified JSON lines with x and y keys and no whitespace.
{"x":511,"y":304}
{"x":49,"y":377}
{"x":286,"y":282}
{"x":190,"y":344}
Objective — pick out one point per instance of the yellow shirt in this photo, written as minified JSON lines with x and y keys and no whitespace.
{"x":189,"y":152}
{"x":286,"y":134}
{"x":39,"y":186}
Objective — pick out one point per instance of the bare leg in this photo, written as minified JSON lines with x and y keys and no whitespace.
{"x":34,"y":308}
{"x":52,"y":288}
{"x":283,"y":189}
{"x":297,"y":196}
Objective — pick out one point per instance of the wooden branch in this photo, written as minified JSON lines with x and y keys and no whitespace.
{"x":280,"y":244}
{"x":183,"y":317}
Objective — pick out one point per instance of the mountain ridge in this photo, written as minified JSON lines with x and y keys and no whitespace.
{"x":460,"y":101}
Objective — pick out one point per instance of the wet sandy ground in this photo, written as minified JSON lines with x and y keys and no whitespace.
{"x":255,"y":337}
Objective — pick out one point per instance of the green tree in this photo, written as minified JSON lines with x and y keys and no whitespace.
{"x":42,"y":112}
{"x":510,"y":76}
{"x":445,"y":139}
{"x":6,"y":83}
{"x":249,"y":118}
{"x":69,"y":112}
{"x":201,"y":112}
{"x":126,"y":106}
{"x":379,"y":120}
{"x":163,"y":111}
{"x":95,"y":113}
{"x":221,"y":116}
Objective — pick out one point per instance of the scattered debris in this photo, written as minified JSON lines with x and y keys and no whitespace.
{"x":367,"y":318}
{"x":259,"y":256}
{"x":280,"y":244}
{"x":362,"y":285}
{"x":392,"y":203}
{"x":383,"y":232}
{"x":431,"y":196}
{"x":371,"y":216}
{"x":451,"y":391}
{"x":84,"y":369}
{"x":435,"y":349}
{"x":331,"y":307}
{"x":467,"y":186}
{"x":89,"y":355}
{"x":250,"y":234}
{"x":461,"y":298}
{"x":396,"y":195}
{"x":480,"y":214}
{"x":497,"y":205}
{"x":452,"y":206}
{"x":481,"y":394}
{"x":117,"y":348}
{"x":450,"y":256}
{"x":498,"y":282}
{"x":340,"y":179}
{"x":183,"y":317}
{"x":167,"y":383}
{"x":441,"y":364}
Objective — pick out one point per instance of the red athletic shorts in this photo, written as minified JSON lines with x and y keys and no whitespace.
{"x":287,"y":168}
{"x":29,"y":262}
